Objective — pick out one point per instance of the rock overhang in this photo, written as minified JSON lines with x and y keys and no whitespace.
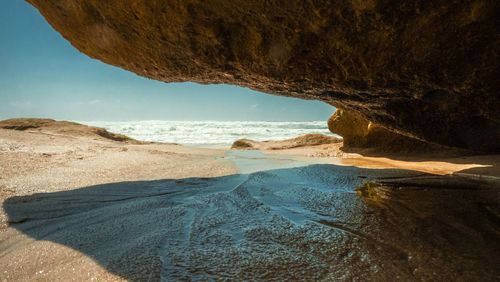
{"x":425,"y":69}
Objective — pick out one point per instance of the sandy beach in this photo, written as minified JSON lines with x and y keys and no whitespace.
{"x":249,"y":140}
{"x":79,"y":206}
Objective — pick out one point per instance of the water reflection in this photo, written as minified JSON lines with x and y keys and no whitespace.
{"x":446,"y":231}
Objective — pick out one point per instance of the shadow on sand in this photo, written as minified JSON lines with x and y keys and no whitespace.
{"x":310,"y":222}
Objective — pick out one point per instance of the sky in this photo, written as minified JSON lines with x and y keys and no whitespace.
{"x":42,"y":75}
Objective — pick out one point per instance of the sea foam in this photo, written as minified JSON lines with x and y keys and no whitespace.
{"x":211,"y":132}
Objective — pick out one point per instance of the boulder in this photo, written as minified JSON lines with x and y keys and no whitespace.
{"x":359,"y":133}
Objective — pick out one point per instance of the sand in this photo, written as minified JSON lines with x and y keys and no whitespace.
{"x":471,"y":165}
{"x":81,"y":207}
{"x":46,"y":162}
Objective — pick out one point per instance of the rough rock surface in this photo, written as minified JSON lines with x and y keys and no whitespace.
{"x":300,"y":141}
{"x":359,"y":133}
{"x":427,"y":69}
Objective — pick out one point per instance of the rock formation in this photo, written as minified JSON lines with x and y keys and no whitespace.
{"x":426,"y":69}
{"x":359,"y":133}
{"x":63,"y":127}
{"x":300,"y":141}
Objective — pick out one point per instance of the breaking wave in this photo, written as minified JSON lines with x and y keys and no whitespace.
{"x":211,"y":132}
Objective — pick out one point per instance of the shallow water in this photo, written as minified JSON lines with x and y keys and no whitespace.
{"x":280,"y":219}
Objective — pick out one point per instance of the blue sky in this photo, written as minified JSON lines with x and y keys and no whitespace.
{"x":42,"y":75}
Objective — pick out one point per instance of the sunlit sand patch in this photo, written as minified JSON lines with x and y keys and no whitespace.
{"x":434,"y":167}
{"x":332,"y":154}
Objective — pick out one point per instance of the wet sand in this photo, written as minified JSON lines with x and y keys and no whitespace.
{"x":166,"y":211}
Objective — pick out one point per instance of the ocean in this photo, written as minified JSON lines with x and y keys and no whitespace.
{"x":211,"y":132}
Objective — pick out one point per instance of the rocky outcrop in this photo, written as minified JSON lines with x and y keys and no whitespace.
{"x":359,"y":133}
{"x":354,"y":129}
{"x":425,"y":69}
{"x":63,"y":128}
{"x":300,"y":141}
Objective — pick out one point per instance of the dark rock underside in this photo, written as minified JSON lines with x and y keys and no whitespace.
{"x":425,"y":69}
